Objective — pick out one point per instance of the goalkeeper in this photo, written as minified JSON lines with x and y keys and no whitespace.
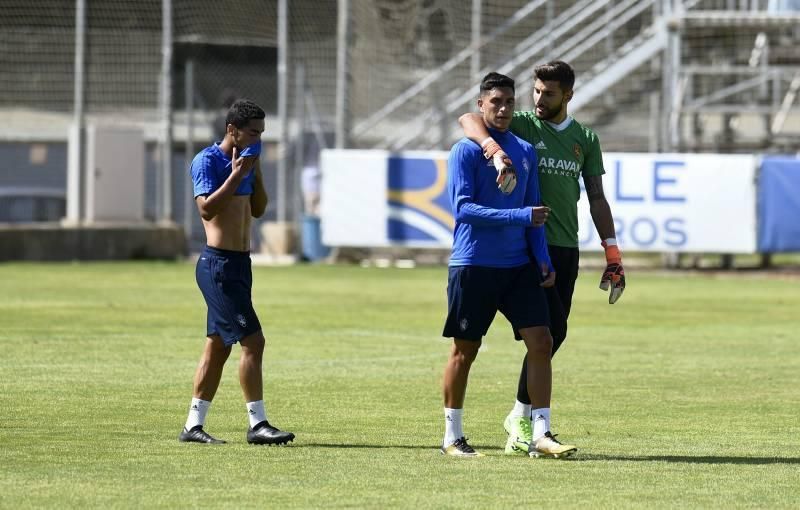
{"x":567,"y":151}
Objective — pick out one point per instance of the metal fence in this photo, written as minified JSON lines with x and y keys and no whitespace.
{"x":653,"y":75}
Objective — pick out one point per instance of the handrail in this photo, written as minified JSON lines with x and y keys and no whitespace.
{"x":563,"y":23}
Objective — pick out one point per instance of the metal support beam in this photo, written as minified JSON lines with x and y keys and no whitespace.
{"x":188,"y":198}
{"x":75,"y":146}
{"x":342,"y":63}
{"x":299,"y":147}
{"x":791,"y":95}
{"x":283,"y":97}
{"x":165,"y":212}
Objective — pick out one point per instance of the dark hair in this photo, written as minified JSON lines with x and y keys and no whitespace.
{"x":495,"y":80}
{"x":556,"y":71}
{"x":243,"y":111}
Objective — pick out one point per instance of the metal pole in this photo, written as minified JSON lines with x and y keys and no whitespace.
{"x":655,"y":67}
{"x":675,"y":73}
{"x":299,"y":162}
{"x":166,"y":111}
{"x":188,"y":196}
{"x":667,"y":83}
{"x":75,"y":158}
{"x":652,"y":145}
{"x":475,"y":60}
{"x":283,"y":95}
{"x":342,"y":124}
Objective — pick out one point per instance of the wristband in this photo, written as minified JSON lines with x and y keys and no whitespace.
{"x":613,"y":256}
{"x":490,"y":147}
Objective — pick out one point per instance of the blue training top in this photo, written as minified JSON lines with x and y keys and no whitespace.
{"x":493,"y":229}
{"x":211,"y":167}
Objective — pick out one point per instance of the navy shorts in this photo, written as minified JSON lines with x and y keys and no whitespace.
{"x":475,"y":294}
{"x":226,"y":278}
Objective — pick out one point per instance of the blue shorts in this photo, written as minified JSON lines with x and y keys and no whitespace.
{"x":225,"y":278}
{"x":475,"y":294}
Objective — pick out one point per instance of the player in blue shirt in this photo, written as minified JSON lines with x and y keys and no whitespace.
{"x":229,"y":192}
{"x":499,"y":261}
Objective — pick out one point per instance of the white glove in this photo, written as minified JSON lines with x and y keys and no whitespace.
{"x":506,"y":174}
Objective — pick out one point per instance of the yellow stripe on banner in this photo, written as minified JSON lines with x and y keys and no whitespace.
{"x":422,"y":200}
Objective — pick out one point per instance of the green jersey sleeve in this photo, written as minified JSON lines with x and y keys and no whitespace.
{"x":593,"y":162}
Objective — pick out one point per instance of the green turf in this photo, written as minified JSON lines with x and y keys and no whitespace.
{"x":684,"y":394}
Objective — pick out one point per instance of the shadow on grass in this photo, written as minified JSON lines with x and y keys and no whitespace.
{"x":583,"y":457}
{"x":688,"y":459}
{"x":384,"y":446}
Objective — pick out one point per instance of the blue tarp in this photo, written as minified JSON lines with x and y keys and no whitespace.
{"x":779,"y":205}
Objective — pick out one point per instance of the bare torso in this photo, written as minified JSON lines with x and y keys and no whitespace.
{"x":230,"y":229}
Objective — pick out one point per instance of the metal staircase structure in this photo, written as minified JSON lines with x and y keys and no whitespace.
{"x":647,"y":77}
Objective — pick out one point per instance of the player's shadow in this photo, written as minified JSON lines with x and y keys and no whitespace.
{"x":386,"y":446}
{"x":582,"y":457}
{"x":686,"y":459}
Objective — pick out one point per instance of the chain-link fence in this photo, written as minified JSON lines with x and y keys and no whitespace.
{"x":653,"y":75}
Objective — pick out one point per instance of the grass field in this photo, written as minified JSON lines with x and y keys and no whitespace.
{"x":685,"y":394}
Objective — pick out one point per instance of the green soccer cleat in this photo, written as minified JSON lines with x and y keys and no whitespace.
{"x":520,"y":435}
{"x":460,"y":449}
{"x":548,"y":446}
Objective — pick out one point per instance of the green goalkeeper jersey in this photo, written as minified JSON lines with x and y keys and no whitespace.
{"x":564,"y":157}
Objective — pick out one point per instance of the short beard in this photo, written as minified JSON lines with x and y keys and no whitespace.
{"x":552,"y":114}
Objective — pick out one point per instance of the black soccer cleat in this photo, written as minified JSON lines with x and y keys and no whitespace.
{"x":264,"y":433}
{"x":197,"y":435}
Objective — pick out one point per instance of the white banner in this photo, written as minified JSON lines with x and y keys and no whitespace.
{"x":353,"y":204}
{"x":660,"y":202}
{"x":677,"y":203}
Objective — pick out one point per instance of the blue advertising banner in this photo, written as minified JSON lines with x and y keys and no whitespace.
{"x":419,"y":208}
{"x":779,"y":205}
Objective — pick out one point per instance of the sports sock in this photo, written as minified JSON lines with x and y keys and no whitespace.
{"x":520,"y":410}
{"x":256,"y":412}
{"x":541,"y":422}
{"x":452,"y":425}
{"x":197,"y":413}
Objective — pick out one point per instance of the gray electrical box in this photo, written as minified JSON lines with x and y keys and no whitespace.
{"x":115,"y":174}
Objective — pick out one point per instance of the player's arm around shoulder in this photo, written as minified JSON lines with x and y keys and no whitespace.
{"x":473,"y":126}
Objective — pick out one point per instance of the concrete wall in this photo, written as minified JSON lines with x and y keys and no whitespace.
{"x":53,"y":242}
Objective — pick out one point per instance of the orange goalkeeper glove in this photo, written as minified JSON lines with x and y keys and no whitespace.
{"x":506,"y":173}
{"x":614,"y":275}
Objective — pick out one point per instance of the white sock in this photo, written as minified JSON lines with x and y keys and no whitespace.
{"x":452,"y":425}
{"x":540,"y":419}
{"x":197,"y":413}
{"x":520,"y":410}
{"x":256,"y":412}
